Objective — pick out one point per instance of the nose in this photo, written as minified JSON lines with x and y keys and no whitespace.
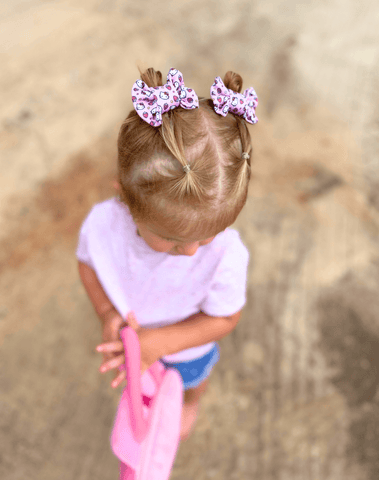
{"x":189,"y":249}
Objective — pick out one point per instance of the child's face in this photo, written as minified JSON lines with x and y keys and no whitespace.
{"x":161,"y":241}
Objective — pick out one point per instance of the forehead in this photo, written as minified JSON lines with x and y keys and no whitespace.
{"x":161,"y":232}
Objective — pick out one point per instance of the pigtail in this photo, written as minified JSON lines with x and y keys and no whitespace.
{"x":171,"y":130}
{"x":234,"y":82}
{"x":245,"y":139}
{"x":152,"y":78}
{"x":173,"y":133}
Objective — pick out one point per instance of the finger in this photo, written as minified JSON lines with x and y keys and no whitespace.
{"x":113,"y":363}
{"x":109,"y":356}
{"x":132,"y":320}
{"x":116,"y":346}
{"x":118,"y":379}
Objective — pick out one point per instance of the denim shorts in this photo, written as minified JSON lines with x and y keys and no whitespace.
{"x":196,"y":371}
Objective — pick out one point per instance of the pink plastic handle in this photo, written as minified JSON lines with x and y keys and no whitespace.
{"x":133,"y":375}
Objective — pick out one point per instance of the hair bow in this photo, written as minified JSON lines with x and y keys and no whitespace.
{"x":151,"y":102}
{"x":226,"y":100}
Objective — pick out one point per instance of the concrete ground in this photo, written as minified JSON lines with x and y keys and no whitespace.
{"x":295,"y":394}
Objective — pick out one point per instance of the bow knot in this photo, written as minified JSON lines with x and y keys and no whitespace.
{"x":226,"y":100}
{"x":151,"y":102}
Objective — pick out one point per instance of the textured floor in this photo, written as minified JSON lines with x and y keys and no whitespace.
{"x":295,"y":394}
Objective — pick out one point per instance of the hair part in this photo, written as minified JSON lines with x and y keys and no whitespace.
{"x":157,"y":190}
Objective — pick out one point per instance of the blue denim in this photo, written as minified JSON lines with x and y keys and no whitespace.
{"x":196,"y":371}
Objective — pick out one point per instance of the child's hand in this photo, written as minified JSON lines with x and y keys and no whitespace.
{"x":113,"y":348}
{"x":111,"y":333}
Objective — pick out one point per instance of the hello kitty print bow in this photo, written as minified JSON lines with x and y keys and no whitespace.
{"x":226,"y":100}
{"x":151,"y":102}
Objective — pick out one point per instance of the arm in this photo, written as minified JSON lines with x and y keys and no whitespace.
{"x":198,"y":329}
{"x":98,"y":297}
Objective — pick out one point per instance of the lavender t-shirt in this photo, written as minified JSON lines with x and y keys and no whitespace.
{"x":162,"y":289}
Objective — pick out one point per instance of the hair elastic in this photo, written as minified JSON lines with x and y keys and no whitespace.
{"x":245,"y":156}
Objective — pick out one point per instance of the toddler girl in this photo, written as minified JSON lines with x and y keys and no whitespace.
{"x":163,"y":248}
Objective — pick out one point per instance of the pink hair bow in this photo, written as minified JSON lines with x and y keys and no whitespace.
{"x":226,"y":100}
{"x":151,"y":102}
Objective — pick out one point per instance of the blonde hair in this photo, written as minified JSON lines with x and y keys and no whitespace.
{"x":153,"y":184}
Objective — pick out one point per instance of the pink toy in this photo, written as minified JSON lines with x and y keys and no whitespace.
{"x":146,"y":431}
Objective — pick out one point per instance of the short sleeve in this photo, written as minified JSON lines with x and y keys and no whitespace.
{"x":82,"y":250}
{"x":227,"y":294}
